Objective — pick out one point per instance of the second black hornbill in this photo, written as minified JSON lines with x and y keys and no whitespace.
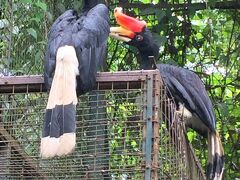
{"x":76,"y":49}
{"x":185,"y":86}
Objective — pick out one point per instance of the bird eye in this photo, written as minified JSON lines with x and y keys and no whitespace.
{"x":139,"y":37}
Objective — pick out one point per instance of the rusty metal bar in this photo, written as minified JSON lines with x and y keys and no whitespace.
{"x":35,"y":83}
{"x":149,"y":128}
{"x":156,"y":104}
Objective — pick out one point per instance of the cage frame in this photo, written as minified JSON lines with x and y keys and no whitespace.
{"x":123,"y":80}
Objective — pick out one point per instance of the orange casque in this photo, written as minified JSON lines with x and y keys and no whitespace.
{"x":128,"y":22}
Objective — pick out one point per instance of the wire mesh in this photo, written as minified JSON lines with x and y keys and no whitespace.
{"x":176,"y":156}
{"x":126,"y":129}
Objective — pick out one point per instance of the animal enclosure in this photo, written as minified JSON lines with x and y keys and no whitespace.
{"x":127,"y":128}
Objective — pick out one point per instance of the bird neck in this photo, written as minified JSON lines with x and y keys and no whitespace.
{"x":89,"y":4}
{"x":148,"y":57}
{"x":146,"y":62}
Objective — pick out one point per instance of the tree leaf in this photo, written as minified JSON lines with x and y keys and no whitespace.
{"x":42,"y":5}
{"x":4,"y":23}
{"x":26,"y":1}
{"x":32,"y":32}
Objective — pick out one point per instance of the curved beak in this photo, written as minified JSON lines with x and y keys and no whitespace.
{"x":121,"y":34}
{"x":129,"y":26}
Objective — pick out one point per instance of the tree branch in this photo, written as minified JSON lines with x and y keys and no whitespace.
{"x":183,"y":6}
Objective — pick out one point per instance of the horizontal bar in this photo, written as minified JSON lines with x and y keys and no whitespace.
{"x":105,"y":80}
{"x":101,"y":77}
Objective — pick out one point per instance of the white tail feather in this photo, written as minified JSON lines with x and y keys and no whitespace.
{"x":63,"y":92}
{"x":49,"y":147}
{"x":67,"y":144}
{"x":215,"y":157}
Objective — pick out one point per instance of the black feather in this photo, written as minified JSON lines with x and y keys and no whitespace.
{"x":188,"y":89}
{"x":185,"y":86}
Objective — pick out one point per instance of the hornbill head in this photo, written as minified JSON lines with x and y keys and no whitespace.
{"x":135,"y":33}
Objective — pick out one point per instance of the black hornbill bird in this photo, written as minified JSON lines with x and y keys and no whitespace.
{"x":76,"y":50}
{"x":185,"y":86}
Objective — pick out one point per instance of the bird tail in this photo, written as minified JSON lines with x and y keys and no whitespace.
{"x":215,"y":165}
{"x":59,"y":136}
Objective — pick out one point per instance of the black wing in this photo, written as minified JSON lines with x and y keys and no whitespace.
{"x":59,"y":35}
{"x":187,"y":88}
{"x":88,"y":34}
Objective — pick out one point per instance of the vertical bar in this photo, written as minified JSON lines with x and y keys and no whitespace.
{"x":156,"y":104}
{"x":9,"y":13}
{"x":148,"y":119}
{"x":144,"y":107}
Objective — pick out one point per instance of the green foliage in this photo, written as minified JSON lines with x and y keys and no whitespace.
{"x":124,"y":135}
{"x":206,"y":41}
{"x":126,"y":142}
{"x":25,"y":33}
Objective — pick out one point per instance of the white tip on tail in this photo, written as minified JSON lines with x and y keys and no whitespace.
{"x":49,"y":147}
{"x":67,"y":144}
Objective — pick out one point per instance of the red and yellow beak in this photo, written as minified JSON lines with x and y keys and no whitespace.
{"x":129,"y":26}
